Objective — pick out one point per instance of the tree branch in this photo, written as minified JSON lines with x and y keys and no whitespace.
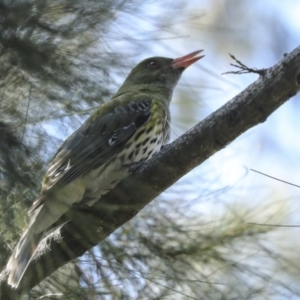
{"x":90,"y":226}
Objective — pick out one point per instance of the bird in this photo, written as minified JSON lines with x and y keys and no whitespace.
{"x":129,"y":128}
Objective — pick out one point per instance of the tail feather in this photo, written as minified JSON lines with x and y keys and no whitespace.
{"x":21,"y":257}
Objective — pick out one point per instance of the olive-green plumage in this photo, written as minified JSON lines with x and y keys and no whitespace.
{"x":129,"y":128}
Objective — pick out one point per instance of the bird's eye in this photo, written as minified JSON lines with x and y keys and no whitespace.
{"x":152,"y":64}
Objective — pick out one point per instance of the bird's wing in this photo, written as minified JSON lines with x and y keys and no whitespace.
{"x":94,"y":143}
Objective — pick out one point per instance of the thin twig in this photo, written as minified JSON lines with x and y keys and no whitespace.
{"x":27,"y":110}
{"x":274,"y":225}
{"x":243,"y":69}
{"x":275,"y":178}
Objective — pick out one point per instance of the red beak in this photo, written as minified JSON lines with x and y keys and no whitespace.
{"x":187,"y":60}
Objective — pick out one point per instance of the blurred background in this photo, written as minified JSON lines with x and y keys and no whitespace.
{"x":222,"y":231}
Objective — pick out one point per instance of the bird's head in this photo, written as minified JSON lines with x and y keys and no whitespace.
{"x":160,"y":71}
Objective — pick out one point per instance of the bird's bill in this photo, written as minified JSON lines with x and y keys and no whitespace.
{"x":187,"y":60}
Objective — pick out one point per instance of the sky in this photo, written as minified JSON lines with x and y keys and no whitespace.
{"x":258,"y":33}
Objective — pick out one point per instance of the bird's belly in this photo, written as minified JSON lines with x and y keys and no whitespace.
{"x":143,"y":147}
{"x":106,"y":177}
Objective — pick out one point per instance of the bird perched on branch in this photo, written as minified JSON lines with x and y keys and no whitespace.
{"x":129,"y":128}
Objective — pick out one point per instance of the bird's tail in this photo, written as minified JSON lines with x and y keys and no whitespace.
{"x":21,"y":257}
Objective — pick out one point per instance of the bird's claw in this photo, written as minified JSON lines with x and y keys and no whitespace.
{"x":133,"y":166}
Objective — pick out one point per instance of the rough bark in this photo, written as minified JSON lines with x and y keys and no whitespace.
{"x":90,"y":226}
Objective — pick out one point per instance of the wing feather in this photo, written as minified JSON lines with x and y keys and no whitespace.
{"x":94,"y":143}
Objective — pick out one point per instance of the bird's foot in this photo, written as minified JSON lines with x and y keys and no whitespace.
{"x":133,"y":166}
